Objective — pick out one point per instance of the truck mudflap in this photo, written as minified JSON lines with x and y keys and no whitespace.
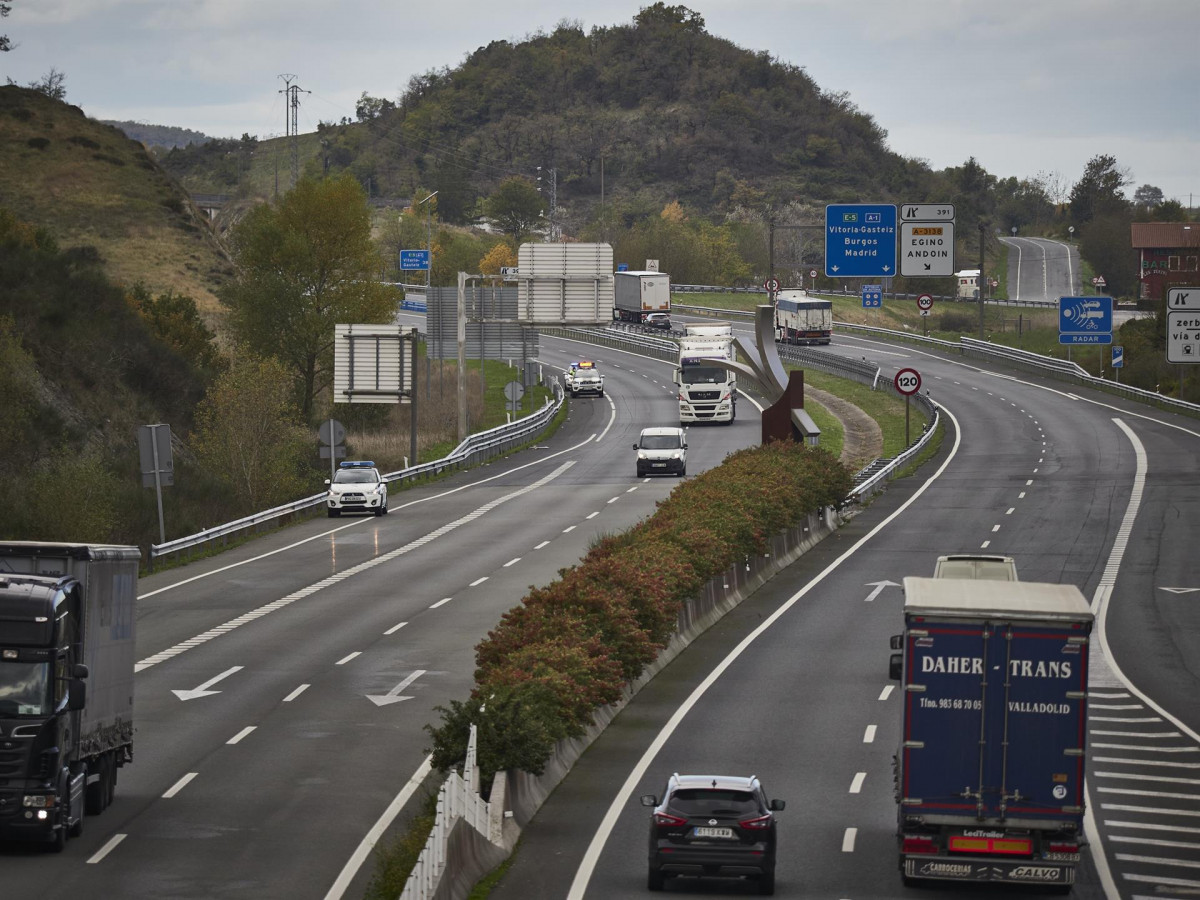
{"x":1005,"y":871}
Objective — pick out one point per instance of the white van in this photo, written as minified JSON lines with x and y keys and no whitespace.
{"x":661,"y":451}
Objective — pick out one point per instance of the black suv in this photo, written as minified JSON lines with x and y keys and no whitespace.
{"x":712,"y":825}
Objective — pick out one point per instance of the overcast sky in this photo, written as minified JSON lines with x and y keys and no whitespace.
{"x":1024,"y":86}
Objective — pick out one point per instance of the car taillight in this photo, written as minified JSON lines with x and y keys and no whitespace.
{"x":756,"y":824}
{"x":918,"y":845}
{"x":1062,"y":847}
{"x":667,"y":819}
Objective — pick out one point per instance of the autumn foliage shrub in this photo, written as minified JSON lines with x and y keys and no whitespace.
{"x":575,"y":644}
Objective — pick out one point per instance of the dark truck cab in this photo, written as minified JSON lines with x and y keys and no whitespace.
{"x":66,"y":684}
{"x":990,"y":769}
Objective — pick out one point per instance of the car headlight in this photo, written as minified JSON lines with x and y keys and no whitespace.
{"x":38,"y":801}
{"x":641,"y":455}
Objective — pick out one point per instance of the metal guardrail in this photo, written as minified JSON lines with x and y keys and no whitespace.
{"x":1063,"y":370}
{"x":476,"y":447}
{"x":618,"y":339}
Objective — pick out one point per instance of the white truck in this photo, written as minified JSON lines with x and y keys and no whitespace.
{"x":800,"y":319}
{"x":637,"y":294}
{"x":707,"y":392}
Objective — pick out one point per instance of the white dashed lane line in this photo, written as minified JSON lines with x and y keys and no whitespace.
{"x":179,"y":785}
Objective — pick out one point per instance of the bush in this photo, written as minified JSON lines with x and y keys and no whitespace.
{"x":573,"y":645}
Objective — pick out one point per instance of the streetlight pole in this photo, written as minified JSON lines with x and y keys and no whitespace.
{"x":428,"y":240}
{"x":982,"y":233}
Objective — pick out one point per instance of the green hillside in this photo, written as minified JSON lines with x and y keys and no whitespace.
{"x":98,"y":191}
{"x":658,"y":109}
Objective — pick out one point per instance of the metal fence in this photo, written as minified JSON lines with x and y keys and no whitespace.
{"x":475,"y":449}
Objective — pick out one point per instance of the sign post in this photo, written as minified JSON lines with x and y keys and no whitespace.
{"x":872,"y":296}
{"x":925,"y":304}
{"x":908,"y":382}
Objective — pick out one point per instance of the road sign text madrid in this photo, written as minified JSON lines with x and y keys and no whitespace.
{"x":860,"y":240}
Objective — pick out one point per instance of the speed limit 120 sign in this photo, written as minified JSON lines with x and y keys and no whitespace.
{"x":908,"y":381}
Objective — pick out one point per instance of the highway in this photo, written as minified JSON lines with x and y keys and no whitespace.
{"x":283,"y":686}
{"x":1041,"y":270}
{"x":793,"y":686}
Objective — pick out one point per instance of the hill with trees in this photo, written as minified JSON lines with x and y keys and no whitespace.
{"x":102,"y":195}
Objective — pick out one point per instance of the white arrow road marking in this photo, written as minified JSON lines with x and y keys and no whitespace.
{"x":393,"y":696}
{"x":203,"y":690}
{"x":1180,"y":590}
{"x":879,"y":586}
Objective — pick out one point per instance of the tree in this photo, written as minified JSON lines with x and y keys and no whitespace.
{"x":1147,"y":195}
{"x":516,"y":207}
{"x":5,"y":43}
{"x":53,"y":84}
{"x":248,"y":435}
{"x":500,"y":256}
{"x":1099,"y":191}
{"x":304,"y":266}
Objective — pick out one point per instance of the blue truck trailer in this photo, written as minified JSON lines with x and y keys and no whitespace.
{"x":989,"y":774}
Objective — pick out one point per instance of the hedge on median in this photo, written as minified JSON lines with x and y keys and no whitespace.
{"x":572,"y":646}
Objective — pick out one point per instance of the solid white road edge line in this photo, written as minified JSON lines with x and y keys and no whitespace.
{"x":584,"y":873}
{"x":354,"y":863}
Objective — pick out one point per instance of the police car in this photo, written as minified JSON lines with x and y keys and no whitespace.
{"x":583,"y":377}
{"x":357,"y":486}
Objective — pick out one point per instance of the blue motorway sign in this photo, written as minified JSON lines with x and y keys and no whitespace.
{"x":872,"y":296}
{"x":1118,"y":356}
{"x":860,"y":240}
{"x":414,"y":259}
{"x":1085,"y":320}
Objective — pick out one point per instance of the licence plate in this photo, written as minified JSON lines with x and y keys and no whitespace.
{"x":702,"y":831}
{"x":658,"y":465}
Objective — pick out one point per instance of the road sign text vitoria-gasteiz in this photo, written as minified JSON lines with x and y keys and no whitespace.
{"x":860,"y":240}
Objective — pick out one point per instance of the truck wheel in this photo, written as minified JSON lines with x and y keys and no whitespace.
{"x":77,"y":828}
{"x":96,"y":791}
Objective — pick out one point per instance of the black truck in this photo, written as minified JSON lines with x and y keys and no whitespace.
{"x":66,"y":683}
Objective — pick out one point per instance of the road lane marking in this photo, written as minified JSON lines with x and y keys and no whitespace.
{"x":887,"y":691}
{"x":441,"y":602}
{"x":179,"y":785}
{"x":107,"y":848}
{"x":478,"y":581}
{"x":512,"y":562}
{"x":296,"y":693}
{"x":348,"y":573}
{"x":869,"y":735}
{"x":593,"y":515}
{"x":346,"y":659}
{"x":569,"y":529}
{"x":848,"y":840}
{"x":241,"y":734}
{"x":367,"y":844}
{"x":395,"y":628}
{"x":857,"y":783}
{"x":541,"y":545}
{"x":637,"y":774}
